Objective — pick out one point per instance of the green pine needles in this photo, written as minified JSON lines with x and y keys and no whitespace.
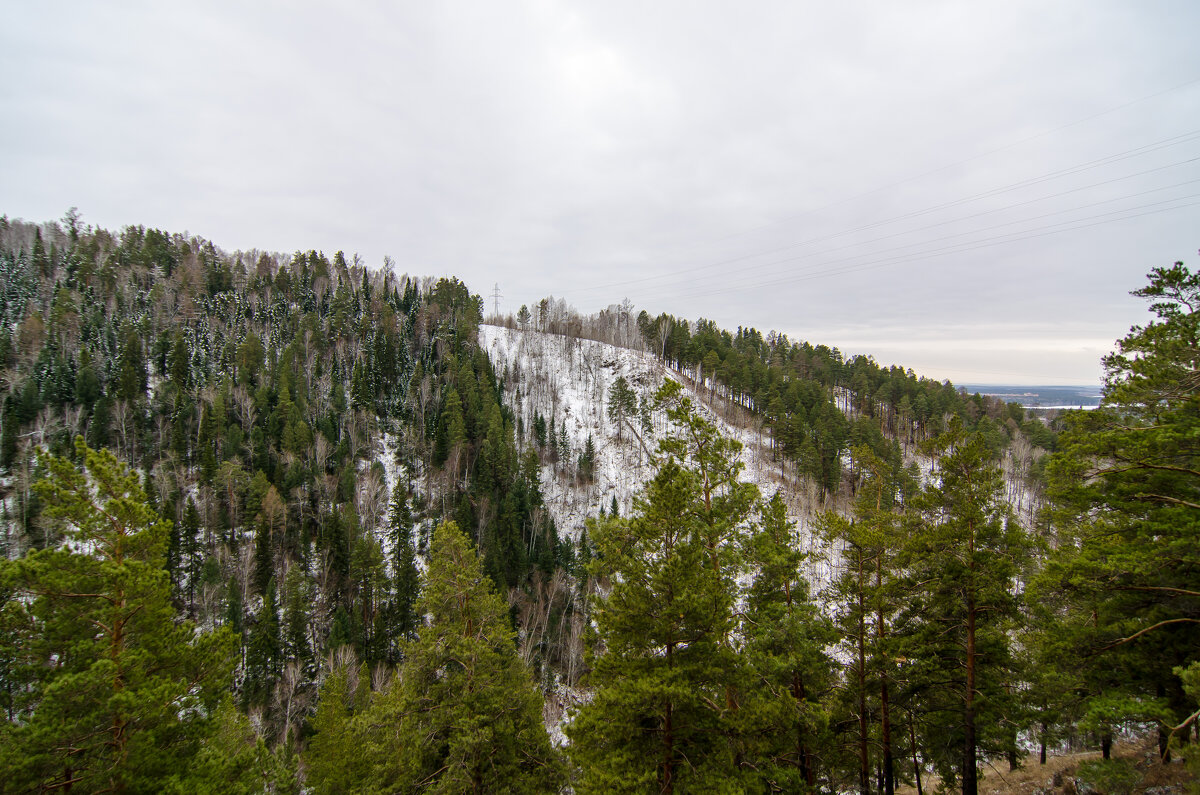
{"x":115,"y":694}
{"x":684,"y":683}
{"x":460,"y":715}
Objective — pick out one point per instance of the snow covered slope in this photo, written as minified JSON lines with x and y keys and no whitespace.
{"x":570,"y":380}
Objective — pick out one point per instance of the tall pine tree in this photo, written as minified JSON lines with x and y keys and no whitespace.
{"x":665,"y":675}
{"x":784,"y":723}
{"x":117,"y":689}
{"x":462,"y":714}
{"x":963,"y":564}
{"x":1123,"y":586}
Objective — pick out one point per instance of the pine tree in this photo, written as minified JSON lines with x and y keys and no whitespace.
{"x":452,"y":432}
{"x":564,"y":445}
{"x":783,"y":723}
{"x":335,"y":756}
{"x":539,"y":429}
{"x":370,"y":593}
{"x":9,"y":434}
{"x":866,"y":592}
{"x":852,"y":590}
{"x":297,"y":600}
{"x":234,"y":761}
{"x":665,"y":676}
{"x":462,"y":715}
{"x":1120,"y":592}
{"x":131,"y":369}
{"x":117,"y":688}
{"x":264,"y":566}
{"x":962,"y":564}
{"x":190,"y":545}
{"x":234,"y":617}
{"x":206,"y":445}
{"x":180,"y":362}
{"x":360,"y":392}
{"x":587,"y":461}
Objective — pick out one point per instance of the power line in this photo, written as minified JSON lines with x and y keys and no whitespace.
{"x":966,"y":160}
{"x":960,"y":248}
{"x":496,"y":299}
{"x":946,"y":250}
{"x":1038,"y":217}
{"x":1138,"y":151}
{"x":903,"y":232}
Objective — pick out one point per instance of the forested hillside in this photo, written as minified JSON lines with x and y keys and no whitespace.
{"x":277,"y":522}
{"x":810,"y":405}
{"x":301,"y":422}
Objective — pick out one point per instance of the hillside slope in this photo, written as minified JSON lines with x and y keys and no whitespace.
{"x":568,"y":381}
{"x":571,"y":380}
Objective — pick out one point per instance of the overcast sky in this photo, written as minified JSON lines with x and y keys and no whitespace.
{"x":970,"y":189}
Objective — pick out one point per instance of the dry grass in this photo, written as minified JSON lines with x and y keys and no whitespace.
{"x":1031,"y":777}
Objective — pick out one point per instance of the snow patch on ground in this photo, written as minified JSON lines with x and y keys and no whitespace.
{"x":571,"y":380}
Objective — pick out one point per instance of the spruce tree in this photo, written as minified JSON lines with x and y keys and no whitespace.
{"x":404,"y":566}
{"x":264,"y":652}
{"x":190,"y":554}
{"x":297,"y":602}
{"x":622,"y":404}
{"x":335,"y":757}
{"x":234,"y":761}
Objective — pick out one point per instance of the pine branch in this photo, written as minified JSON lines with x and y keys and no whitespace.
{"x":1148,"y":629}
{"x":1171,"y":500}
{"x":1135,"y":465}
{"x":1183,"y":591}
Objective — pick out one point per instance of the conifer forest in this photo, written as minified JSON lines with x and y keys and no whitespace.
{"x":281,"y":523}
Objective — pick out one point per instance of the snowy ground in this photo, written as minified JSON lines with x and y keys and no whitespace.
{"x":570,"y":380}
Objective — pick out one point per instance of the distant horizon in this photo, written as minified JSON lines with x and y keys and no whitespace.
{"x":1041,"y":396}
{"x":966,"y":384}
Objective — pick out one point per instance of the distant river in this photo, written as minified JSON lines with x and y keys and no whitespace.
{"x":1039,"y":396}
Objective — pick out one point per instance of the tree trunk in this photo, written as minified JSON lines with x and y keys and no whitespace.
{"x":806,"y":768}
{"x":668,"y":763}
{"x":864,"y":769}
{"x":1164,"y":749}
{"x":798,"y":693}
{"x":668,"y":784}
{"x":912,"y":735}
{"x":116,"y":650}
{"x":889,"y":773}
{"x":970,"y":773}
